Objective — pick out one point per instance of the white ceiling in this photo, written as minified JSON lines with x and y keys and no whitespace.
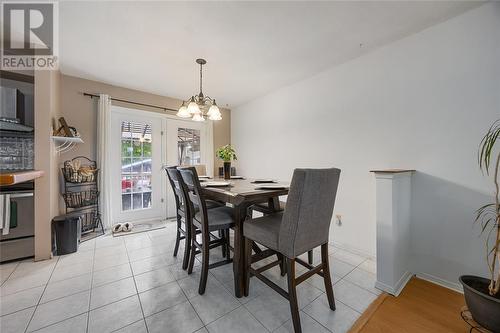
{"x":252,"y":48}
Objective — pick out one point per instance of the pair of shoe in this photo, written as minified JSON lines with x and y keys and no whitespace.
{"x":122,"y":227}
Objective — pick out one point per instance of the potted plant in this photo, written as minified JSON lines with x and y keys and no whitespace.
{"x":482,"y":295}
{"x":227,"y":154}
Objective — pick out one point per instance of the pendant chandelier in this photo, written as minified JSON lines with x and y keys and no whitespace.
{"x":198,"y":107}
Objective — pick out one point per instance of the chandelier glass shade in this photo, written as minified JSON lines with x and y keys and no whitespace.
{"x":199,"y":107}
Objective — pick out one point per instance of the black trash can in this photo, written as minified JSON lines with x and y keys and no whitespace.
{"x":66,"y":232}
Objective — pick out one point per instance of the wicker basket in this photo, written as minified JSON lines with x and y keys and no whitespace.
{"x":90,"y":221}
{"x":86,"y":172}
{"x":81,"y":199}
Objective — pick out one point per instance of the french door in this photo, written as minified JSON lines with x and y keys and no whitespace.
{"x":142,"y":143}
{"x":188,"y":143}
{"x":138,"y":180}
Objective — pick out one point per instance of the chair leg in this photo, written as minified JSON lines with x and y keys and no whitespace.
{"x":193,"y":249}
{"x":205,"y":263}
{"x":248,"y":263}
{"x":327,"y":279}
{"x":228,"y":251}
{"x":222,"y":235}
{"x":281,"y":258}
{"x":292,"y":292}
{"x":187,"y":248}
{"x":256,"y":248}
{"x":310,"y":257}
{"x":249,"y":214}
{"x":178,"y":237}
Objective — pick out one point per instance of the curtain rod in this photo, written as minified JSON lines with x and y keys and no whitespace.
{"x":132,"y":102}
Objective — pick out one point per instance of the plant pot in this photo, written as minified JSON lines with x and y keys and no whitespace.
{"x":227,"y":170}
{"x":484,"y":308}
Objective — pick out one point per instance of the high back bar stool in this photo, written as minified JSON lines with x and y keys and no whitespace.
{"x":183,"y":213}
{"x":302,"y":226}
{"x":206,"y":221}
{"x":266,"y":210}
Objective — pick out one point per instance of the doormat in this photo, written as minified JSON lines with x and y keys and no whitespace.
{"x":142,"y":227}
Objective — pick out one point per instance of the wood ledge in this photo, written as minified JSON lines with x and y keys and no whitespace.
{"x":393,"y":170}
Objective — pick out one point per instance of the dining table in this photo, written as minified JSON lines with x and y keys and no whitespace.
{"x":241,"y":194}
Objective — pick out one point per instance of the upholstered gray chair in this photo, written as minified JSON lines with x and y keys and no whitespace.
{"x":206,"y":221}
{"x":183,"y":214}
{"x":302,"y":226}
{"x":266,"y":210}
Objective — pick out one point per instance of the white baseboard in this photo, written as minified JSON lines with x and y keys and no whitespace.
{"x":455,"y":286}
{"x":385,"y":287}
{"x":352,"y":250}
{"x":443,"y":283}
{"x":396,"y":290}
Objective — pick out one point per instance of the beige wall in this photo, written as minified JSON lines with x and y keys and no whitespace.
{"x":222,"y":136}
{"x":80,"y":111}
{"x":47,"y":106}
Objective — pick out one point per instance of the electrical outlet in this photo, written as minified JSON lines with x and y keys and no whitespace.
{"x":338,"y":219}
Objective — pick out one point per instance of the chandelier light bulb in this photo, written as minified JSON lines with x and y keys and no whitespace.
{"x":215,"y":116}
{"x":198,"y":117}
{"x":183,"y":112}
{"x":193,"y":108}
{"x":214,"y":110}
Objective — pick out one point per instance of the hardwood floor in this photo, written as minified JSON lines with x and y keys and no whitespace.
{"x":421,"y":307}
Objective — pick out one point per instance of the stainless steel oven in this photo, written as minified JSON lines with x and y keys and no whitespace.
{"x":17,"y":232}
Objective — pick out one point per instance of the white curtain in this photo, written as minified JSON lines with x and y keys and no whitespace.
{"x":103,"y":162}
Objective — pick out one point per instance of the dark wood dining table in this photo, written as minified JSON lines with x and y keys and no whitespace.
{"x":241,"y":194}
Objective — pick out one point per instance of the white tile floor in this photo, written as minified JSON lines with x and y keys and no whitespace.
{"x":134,"y":284}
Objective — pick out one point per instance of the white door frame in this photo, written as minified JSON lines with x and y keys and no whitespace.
{"x":169,"y":125}
{"x":158,"y":211}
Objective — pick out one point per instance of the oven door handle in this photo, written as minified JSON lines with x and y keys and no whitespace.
{"x":21,"y":195}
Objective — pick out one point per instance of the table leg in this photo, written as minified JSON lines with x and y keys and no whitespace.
{"x":239,"y":251}
{"x":274,"y":204}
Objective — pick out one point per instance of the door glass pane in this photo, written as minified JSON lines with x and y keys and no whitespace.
{"x":126,"y":202}
{"x":146,"y":183}
{"x":126,"y":147}
{"x":146,"y":166}
{"x":137,"y":200}
{"x":126,"y":179}
{"x":146,"y":149}
{"x":188,"y":144}
{"x":136,"y":165}
{"x":146,"y":199}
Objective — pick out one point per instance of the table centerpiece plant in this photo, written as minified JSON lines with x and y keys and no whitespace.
{"x":227,"y":154}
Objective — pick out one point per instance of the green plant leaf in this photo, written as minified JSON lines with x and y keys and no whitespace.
{"x":226,"y":153}
{"x":487,"y":145}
